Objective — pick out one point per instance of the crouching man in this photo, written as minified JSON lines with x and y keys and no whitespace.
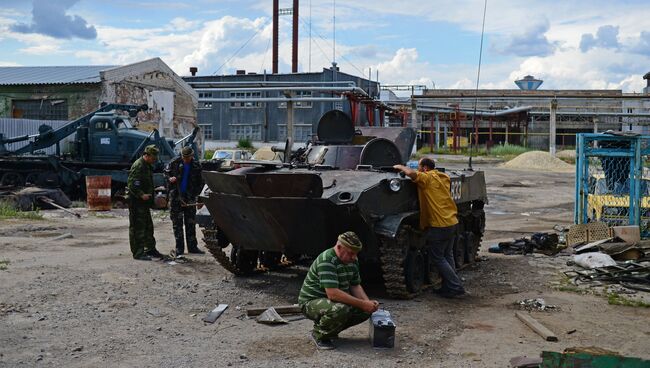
{"x":332,"y":295}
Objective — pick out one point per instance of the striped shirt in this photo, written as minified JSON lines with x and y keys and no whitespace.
{"x":327,"y":271}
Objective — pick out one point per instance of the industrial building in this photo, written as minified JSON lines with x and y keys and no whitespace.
{"x":68,"y":92}
{"x":527,"y":116}
{"x":254,"y":106}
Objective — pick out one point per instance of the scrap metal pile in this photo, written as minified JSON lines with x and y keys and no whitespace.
{"x":605,"y":255}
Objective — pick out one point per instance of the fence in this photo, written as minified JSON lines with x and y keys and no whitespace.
{"x":18,"y":127}
{"x":612,"y":180}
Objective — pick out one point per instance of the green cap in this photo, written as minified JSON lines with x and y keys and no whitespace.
{"x":350,"y":240}
{"x":187,"y":151}
{"x":151,"y":150}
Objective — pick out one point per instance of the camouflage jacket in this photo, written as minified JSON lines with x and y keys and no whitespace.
{"x":140,"y":181}
{"x":195,"y":180}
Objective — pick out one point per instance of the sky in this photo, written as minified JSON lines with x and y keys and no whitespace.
{"x":570,"y":44}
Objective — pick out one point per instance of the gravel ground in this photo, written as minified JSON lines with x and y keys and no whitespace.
{"x":83,"y":302}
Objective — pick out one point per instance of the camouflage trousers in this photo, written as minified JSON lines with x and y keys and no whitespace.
{"x":184,"y":216}
{"x":141,"y":237}
{"x":330,"y":317}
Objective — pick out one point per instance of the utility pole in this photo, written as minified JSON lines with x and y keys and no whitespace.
{"x":551,"y":127}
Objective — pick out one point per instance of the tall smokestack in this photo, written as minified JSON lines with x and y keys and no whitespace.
{"x":294,"y":47}
{"x":276,"y":10}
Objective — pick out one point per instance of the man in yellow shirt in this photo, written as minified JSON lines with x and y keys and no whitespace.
{"x":438,"y":221}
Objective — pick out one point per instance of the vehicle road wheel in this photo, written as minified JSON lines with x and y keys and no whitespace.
{"x":459,"y":249}
{"x":244,"y":260}
{"x":471,"y":247}
{"x":271,"y":260}
{"x":414,"y":268}
{"x":12,"y":179}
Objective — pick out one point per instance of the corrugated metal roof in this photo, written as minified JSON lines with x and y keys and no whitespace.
{"x":15,"y":75}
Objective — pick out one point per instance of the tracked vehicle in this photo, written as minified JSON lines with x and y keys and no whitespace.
{"x":343,"y":181}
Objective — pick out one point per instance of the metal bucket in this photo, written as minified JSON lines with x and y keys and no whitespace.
{"x":98,"y":189}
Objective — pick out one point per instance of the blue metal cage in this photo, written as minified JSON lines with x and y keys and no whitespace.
{"x":612,"y":180}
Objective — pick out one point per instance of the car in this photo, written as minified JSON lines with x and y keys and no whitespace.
{"x":267,"y":153}
{"x":229,"y":156}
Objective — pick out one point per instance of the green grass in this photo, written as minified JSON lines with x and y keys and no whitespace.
{"x":617,"y":299}
{"x":8,"y":211}
{"x":3,"y":264}
{"x":506,"y":151}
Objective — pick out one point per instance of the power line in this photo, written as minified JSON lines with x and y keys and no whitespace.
{"x":265,"y":53}
{"x":239,"y":49}
{"x":339,"y":55}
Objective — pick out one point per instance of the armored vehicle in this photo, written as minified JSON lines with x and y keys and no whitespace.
{"x":343,"y":181}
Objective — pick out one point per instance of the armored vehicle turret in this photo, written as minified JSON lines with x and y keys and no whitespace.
{"x":342,"y":181}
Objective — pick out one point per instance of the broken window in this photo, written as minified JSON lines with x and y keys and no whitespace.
{"x":40,"y":109}
{"x":207,"y":131}
{"x":246,"y":131}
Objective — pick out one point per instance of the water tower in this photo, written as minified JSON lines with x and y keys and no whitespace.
{"x":528,"y":83}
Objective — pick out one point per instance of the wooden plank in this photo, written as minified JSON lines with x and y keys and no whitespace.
{"x":536,"y":326}
{"x":215,"y":313}
{"x":284,"y":309}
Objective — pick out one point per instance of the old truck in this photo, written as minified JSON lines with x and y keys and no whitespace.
{"x":106,"y":143}
{"x":343,"y":181}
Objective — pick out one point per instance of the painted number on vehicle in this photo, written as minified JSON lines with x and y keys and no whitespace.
{"x":456,"y":189}
{"x":105,"y":141}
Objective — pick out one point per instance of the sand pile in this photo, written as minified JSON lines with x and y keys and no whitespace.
{"x":538,"y":160}
{"x":566,"y":154}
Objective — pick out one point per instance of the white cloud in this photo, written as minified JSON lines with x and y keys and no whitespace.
{"x":43,"y":49}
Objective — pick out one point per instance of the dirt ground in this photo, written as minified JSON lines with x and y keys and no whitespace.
{"x":83,"y":302}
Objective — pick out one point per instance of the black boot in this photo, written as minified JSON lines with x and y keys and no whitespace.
{"x":195,"y":250}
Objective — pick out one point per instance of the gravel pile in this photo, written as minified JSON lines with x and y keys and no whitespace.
{"x":538,"y":160}
{"x":566,"y":154}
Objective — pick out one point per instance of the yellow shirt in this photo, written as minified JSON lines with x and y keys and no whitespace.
{"x":437,"y":208}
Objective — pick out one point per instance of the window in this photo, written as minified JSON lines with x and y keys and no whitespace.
{"x":205,"y":94}
{"x":246,"y":131}
{"x":205,"y":105}
{"x":301,"y":132}
{"x":298,"y":104}
{"x":40,"y":109}
{"x":207,"y":131}
{"x":102,"y":126}
{"x":338,"y":106}
{"x":245,"y":95}
{"x":630,"y":110}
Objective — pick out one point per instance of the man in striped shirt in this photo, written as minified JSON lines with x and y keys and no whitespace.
{"x":332,"y":295}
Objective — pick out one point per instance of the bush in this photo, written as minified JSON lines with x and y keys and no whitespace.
{"x":8,"y":211}
{"x":244,"y":143}
{"x":207,"y":154}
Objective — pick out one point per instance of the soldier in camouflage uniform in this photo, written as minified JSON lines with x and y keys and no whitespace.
{"x":185,"y":184}
{"x":332,"y":295}
{"x":140,"y":197}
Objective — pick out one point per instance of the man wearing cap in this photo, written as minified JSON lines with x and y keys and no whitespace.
{"x":332,"y":295}
{"x":140,"y":197}
{"x":185,"y":184}
{"x":438,"y":221}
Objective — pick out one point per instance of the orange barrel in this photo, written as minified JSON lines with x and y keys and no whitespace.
{"x":98,"y":189}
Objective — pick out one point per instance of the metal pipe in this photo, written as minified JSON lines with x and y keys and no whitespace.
{"x":251,"y":89}
{"x":594,"y":113}
{"x":276,"y":10}
{"x":276,"y":99}
{"x":482,"y":113}
{"x":294,"y":46}
{"x":549,"y":96}
{"x":350,"y":83}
